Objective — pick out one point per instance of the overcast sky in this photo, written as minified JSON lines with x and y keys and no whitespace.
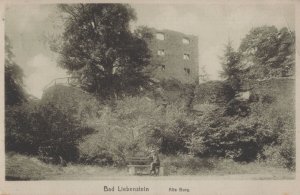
{"x":27,"y":26}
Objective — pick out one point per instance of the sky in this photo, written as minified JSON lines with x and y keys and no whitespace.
{"x":27,"y":26}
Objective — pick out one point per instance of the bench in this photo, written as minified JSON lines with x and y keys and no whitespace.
{"x":135,"y":163}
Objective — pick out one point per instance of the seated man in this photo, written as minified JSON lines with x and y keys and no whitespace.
{"x":154,"y":166}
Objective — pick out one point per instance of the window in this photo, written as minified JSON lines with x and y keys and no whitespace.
{"x":161,"y":52}
{"x":160,"y":36}
{"x":185,"y":41}
{"x":187,"y":70}
{"x":163,"y":67}
{"x":186,"y":56}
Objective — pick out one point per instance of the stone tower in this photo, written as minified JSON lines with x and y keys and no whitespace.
{"x":177,"y":54}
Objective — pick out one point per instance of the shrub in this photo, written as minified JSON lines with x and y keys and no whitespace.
{"x":45,"y":130}
{"x":237,"y":107}
{"x":121,"y":130}
{"x":284,"y":153}
{"x":135,"y":124}
{"x":213,"y":92}
{"x":19,"y":134}
{"x":225,"y":137}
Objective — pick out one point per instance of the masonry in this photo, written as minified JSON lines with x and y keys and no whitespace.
{"x":177,"y":54}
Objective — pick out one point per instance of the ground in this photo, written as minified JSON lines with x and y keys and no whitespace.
{"x":21,"y":167}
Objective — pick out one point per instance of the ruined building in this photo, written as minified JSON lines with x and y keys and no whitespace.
{"x":177,"y":54}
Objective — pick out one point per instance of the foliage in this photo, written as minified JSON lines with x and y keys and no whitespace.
{"x":120,"y":131}
{"x":73,"y":100}
{"x":14,"y":91}
{"x":232,"y":70}
{"x":282,"y":154}
{"x":213,"y":92}
{"x":43,"y":129}
{"x":241,"y":139}
{"x":133,"y":125}
{"x":136,"y":124}
{"x":98,"y":47}
{"x":237,"y":107}
{"x":268,"y":52}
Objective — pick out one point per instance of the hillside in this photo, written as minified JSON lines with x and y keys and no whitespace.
{"x":209,"y":142}
{"x":273,"y":97}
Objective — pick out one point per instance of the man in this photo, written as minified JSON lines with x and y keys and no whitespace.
{"x":155,"y":163}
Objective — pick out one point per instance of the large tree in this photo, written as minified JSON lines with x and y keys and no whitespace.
{"x":14,"y":92}
{"x":98,"y":48}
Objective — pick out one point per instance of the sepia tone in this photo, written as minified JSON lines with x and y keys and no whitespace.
{"x":178,"y":53}
{"x":217,"y":104}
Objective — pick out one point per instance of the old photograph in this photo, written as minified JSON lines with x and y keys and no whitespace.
{"x":96,"y":91}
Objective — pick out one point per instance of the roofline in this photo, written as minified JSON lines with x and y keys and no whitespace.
{"x":165,"y":30}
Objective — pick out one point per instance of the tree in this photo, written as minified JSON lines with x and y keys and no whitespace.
{"x":268,"y":52}
{"x":233,"y":72}
{"x":100,"y":50}
{"x":232,"y":69}
{"x":14,"y":92}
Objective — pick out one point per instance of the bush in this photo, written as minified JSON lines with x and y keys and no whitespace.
{"x":241,"y":140}
{"x":43,"y":129}
{"x":237,"y":107}
{"x":213,"y":92}
{"x":121,"y":130}
{"x":19,"y":133}
{"x":284,"y":153}
{"x":133,"y":125}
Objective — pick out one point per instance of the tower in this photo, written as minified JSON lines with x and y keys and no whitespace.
{"x":177,"y":54}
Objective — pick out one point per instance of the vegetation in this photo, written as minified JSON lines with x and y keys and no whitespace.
{"x":20,"y":167}
{"x":195,"y":128}
{"x":268,"y":52}
{"x":42,"y":129}
{"x":14,"y":92}
{"x":99,"y":49}
{"x":232,"y":70}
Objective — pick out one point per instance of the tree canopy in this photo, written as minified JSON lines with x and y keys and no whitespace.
{"x":14,"y":92}
{"x":264,"y":52}
{"x":98,"y":48}
{"x":269,"y":52}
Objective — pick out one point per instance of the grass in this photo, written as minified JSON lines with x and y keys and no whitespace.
{"x":187,"y":165}
{"x":21,"y":167}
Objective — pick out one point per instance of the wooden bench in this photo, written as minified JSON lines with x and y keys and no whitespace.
{"x":135,"y":163}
